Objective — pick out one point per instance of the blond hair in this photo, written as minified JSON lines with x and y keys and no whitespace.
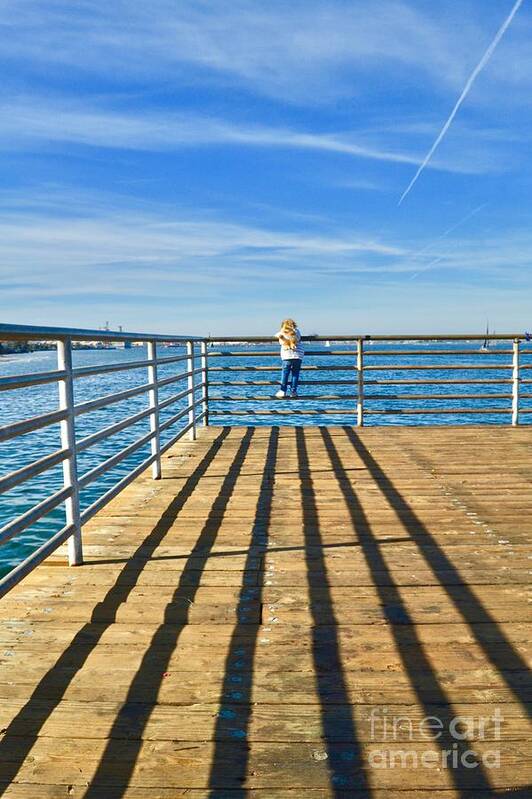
{"x":289,"y":334}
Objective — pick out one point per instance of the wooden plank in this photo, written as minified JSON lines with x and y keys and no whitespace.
{"x":30,"y":791}
{"x":287,"y":723}
{"x":180,"y":764}
{"x":271,"y":687}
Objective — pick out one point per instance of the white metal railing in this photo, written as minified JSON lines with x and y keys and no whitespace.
{"x":66,"y":415}
{"x":370,"y":383}
{"x":367,"y":369}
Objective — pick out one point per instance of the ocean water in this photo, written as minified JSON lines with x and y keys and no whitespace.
{"x":24,"y":403}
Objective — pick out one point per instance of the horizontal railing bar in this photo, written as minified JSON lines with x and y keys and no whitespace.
{"x":273,"y":398}
{"x":114,"y":460}
{"x":436,"y":396}
{"x":166,"y":381}
{"x":277,"y":382}
{"x":102,"y":501}
{"x":338,"y":411}
{"x":275,"y":353}
{"x":26,"y":381}
{"x":175,"y":398}
{"x":107,"y":368}
{"x":117,"y":427}
{"x":285,"y":412}
{"x":370,"y":337}
{"x":352,"y":353}
{"x":34,"y":332}
{"x":376,"y":368}
{"x":182,"y":432}
{"x":171,"y":359}
{"x":350,"y":397}
{"x":277,"y":369}
{"x":437,"y":411}
{"x":29,"y":425}
{"x":175,"y":418}
{"x":458,"y":382}
{"x":20,"y":571}
{"x":422,"y":353}
{"x":33,"y":469}
{"x":33,"y":515}
{"x":110,"y":399}
{"x":436,"y":367}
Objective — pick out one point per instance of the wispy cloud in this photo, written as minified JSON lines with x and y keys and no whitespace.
{"x":65,"y":231}
{"x":55,"y":234}
{"x":361,"y":184}
{"x":467,"y":88}
{"x":307,"y":51}
{"x":29,"y":121}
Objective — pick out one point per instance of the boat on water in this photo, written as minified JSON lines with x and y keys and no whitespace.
{"x":327,"y":343}
{"x":486,"y":343}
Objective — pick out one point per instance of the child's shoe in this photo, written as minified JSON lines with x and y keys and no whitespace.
{"x":280,"y":394}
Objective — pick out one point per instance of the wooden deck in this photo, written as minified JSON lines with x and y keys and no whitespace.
{"x":243,"y":626}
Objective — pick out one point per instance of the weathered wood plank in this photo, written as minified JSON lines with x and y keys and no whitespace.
{"x":180,"y":764}
{"x":288,"y":723}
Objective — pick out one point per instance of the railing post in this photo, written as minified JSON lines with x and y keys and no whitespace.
{"x":205,"y":381}
{"x":360,"y":382}
{"x":515,"y":384}
{"x":68,"y":441}
{"x":191,"y":396}
{"x":153,"y":404}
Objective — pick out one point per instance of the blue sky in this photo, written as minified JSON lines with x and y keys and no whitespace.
{"x":204,"y":166}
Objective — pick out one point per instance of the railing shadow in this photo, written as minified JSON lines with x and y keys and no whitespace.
{"x":403,"y":630}
{"x":144,"y":689}
{"x":235,"y":708}
{"x":344,"y":756}
{"x":50,"y":690}
{"x":494,"y":643}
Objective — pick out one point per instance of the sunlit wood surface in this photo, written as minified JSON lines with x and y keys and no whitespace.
{"x":242,"y":627}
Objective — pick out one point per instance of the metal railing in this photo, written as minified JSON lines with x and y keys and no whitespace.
{"x":71,"y":445}
{"x":368,"y":375}
{"x":371,"y":374}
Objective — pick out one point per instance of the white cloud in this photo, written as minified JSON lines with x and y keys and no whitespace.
{"x":59,"y":238}
{"x":29,"y":122}
{"x":78,"y":259}
{"x":308,"y":51}
{"x":52,"y":236}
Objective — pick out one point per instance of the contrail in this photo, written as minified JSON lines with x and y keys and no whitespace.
{"x":442,"y":236}
{"x":479,"y":67}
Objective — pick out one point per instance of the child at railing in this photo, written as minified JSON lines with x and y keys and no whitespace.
{"x":292,"y":353}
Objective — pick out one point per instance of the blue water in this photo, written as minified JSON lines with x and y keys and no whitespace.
{"x":24,"y":403}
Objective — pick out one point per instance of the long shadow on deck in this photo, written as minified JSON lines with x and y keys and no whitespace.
{"x":339,"y":728}
{"x":144,"y":689}
{"x":235,"y":707}
{"x":409,"y":647}
{"x":510,"y":664}
{"x":26,"y":725}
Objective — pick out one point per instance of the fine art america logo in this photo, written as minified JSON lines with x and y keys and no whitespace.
{"x":455,"y":738}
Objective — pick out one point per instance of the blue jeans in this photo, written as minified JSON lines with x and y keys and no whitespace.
{"x":291,"y":369}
